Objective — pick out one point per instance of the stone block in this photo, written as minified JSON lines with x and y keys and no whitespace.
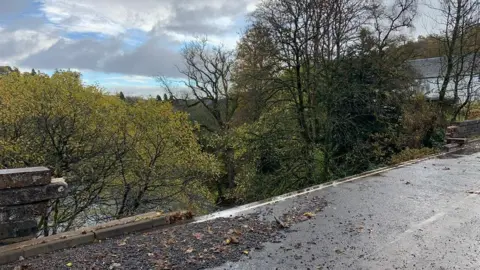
{"x":22,"y":212}
{"x":27,"y":195}
{"x":24,"y":177}
{"x":18,"y":229}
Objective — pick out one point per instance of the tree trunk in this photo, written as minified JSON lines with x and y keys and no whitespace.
{"x":230,"y":167}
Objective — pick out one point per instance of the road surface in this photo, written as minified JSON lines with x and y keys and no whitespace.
{"x":422,"y":216}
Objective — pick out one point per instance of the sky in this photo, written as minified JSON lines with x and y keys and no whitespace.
{"x":121,"y":45}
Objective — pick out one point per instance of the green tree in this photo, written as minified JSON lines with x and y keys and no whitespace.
{"x":159,"y":98}
{"x":121,"y":96}
{"x":4,"y":70}
{"x":118,"y":158}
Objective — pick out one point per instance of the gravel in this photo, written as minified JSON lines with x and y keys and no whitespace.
{"x":189,"y":246}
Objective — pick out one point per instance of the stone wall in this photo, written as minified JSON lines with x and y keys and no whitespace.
{"x":24,"y":197}
{"x":465,"y":129}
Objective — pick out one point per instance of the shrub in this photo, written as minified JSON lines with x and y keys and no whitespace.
{"x":412,"y":153}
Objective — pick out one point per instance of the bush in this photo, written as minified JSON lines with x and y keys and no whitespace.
{"x":410,"y":154}
{"x":421,"y":124}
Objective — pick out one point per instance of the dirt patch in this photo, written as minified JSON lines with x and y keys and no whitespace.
{"x":190,"y":246}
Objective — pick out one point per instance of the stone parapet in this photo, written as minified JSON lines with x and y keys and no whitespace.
{"x":24,"y":197}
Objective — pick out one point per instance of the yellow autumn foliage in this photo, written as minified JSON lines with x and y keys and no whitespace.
{"x":118,"y":157}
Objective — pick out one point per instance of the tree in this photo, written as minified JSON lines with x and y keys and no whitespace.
{"x":5,"y":70}
{"x":118,"y":158}
{"x":159,"y":98}
{"x":208,"y":74}
{"x":121,"y":96}
{"x":33,"y":72}
{"x":163,"y":160}
{"x":165,"y":97}
{"x":460,"y":19}
{"x":309,"y":37}
{"x":254,"y":69}
{"x":316,"y":44}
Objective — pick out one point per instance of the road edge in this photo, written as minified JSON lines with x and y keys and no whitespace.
{"x":232,"y":212}
{"x":15,"y":252}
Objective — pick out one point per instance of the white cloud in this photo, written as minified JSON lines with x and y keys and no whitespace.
{"x":113,"y":17}
{"x":20,"y":44}
{"x":54,"y":37}
{"x":110,"y":17}
{"x":252,"y":6}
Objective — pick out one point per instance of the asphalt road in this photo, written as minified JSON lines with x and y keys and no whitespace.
{"x":423,"y":216}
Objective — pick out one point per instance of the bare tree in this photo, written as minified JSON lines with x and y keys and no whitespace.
{"x":208,"y":77}
{"x":459,"y":18}
{"x":388,"y":21}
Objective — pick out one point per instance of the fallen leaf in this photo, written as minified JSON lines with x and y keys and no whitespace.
{"x":230,"y":231}
{"x":150,"y":254}
{"x":189,"y":250}
{"x":227,"y":241}
{"x":171,"y":241}
{"x":198,"y":236}
{"x":69,"y":264}
{"x":237,"y":232}
{"x":123,"y":243}
{"x":308,"y":214}
{"x":245,"y":252}
{"x":234,"y":240}
{"x":209,"y":230}
{"x":280,"y":223}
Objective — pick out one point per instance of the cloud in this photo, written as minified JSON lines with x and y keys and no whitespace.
{"x":152,"y":58}
{"x":113,"y":17}
{"x":14,"y":6}
{"x":20,"y":44}
{"x":140,"y":37}
{"x":80,"y":54}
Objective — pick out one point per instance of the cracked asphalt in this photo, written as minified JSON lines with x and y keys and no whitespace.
{"x":422,"y":216}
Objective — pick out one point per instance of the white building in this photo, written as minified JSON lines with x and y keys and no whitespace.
{"x":465,"y":77}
